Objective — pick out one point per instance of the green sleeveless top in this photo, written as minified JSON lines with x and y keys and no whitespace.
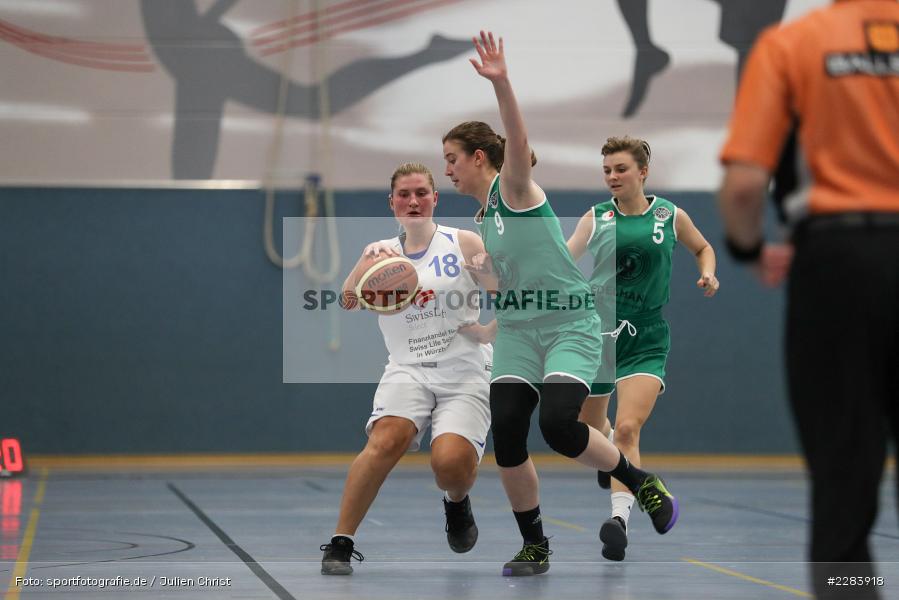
{"x":643,"y":246}
{"x":539,"y":283}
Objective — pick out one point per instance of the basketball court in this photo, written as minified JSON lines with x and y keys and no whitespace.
{"x":235,"y":527}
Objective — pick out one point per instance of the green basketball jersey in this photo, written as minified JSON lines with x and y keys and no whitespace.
{"x":537,"y":276}
{"x":643,"y":245}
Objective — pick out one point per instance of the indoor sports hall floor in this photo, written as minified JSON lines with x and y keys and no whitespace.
{"x":244,"y":530}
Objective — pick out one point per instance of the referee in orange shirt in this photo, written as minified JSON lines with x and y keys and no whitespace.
{"x":833,"y":75}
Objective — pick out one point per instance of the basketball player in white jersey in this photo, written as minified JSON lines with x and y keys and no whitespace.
{"x":433,"y":376}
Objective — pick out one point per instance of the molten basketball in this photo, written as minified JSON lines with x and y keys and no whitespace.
{"x":386,"y":285}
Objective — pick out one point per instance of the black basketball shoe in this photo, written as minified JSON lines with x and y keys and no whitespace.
{"x":338,"y":553}
{"x":613,"y":534}
{"x":461,"y":530}
{"x":604,"y":480}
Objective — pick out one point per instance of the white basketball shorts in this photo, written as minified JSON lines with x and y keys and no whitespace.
{"x":451,"y":396}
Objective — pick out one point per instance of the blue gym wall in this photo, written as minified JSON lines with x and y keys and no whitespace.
{"x":139,"y":321}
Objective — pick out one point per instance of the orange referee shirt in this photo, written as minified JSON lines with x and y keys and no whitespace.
{"x":836,"y":73}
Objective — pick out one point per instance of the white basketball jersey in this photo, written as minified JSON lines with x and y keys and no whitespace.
{"x":425,"y":331}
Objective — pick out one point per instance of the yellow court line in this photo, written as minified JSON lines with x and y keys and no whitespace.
{"x":750,"y":578}
{"x":12,"y":592}
{"x":39,"y":496}
{"x":566,"y":524}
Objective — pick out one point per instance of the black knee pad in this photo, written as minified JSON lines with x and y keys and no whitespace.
{"x":511,"y":405}
{"x":559,"y":409}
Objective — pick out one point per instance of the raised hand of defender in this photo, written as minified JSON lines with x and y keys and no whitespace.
{"x":492,"y":65}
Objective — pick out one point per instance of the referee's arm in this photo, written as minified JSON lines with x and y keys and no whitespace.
{"x":759,"y":126}
{"x":742,"y":203}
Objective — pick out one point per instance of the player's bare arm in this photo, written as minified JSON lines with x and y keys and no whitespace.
{"x":690,"y":236}
{"x":519,"y":190}
{"x":577,"y":243}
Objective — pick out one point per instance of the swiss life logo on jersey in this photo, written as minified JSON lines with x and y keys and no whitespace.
{"x":423,"y":297}
{"x":608,"y":215}
{"x":661,"y":214}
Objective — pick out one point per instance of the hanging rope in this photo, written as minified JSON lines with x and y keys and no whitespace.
{"x":304,"y":257}
{"x":273,"y":159}
{"x":320,"y":147}
{"x":324,"y":110}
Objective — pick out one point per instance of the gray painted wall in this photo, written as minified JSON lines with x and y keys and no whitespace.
{"x":138,"y":321}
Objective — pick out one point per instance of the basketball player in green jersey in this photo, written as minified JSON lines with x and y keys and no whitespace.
{"x":638,"y":232}
{"x":548,"y":341}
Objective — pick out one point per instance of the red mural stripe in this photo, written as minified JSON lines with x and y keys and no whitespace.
{"x":81,"y":54}
{"x":93,"y":64}
{"x":308,"y":16}
{"x":28,"y":36}
{"x":324,"y":35}
{"x":357,"y":14}
{"x":39,"y":37}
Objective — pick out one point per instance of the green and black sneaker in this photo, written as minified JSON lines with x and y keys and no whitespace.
{"x":657,"y":502}
{"x":533,"y":559}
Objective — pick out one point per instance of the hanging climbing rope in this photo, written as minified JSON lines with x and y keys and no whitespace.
{"x":320,"y":149}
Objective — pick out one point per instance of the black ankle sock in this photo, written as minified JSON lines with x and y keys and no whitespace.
{"x":530,"y":524}
{"x":628,"y":474}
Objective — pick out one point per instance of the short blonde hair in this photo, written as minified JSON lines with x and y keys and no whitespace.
{"x":411,"y":168}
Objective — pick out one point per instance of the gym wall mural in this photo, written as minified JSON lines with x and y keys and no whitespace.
{"x":240,"y":92}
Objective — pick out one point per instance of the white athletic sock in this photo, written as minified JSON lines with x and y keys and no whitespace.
{"x":621,"y":505}
{"x":448,"y":499}
{"x":346,"y":535}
